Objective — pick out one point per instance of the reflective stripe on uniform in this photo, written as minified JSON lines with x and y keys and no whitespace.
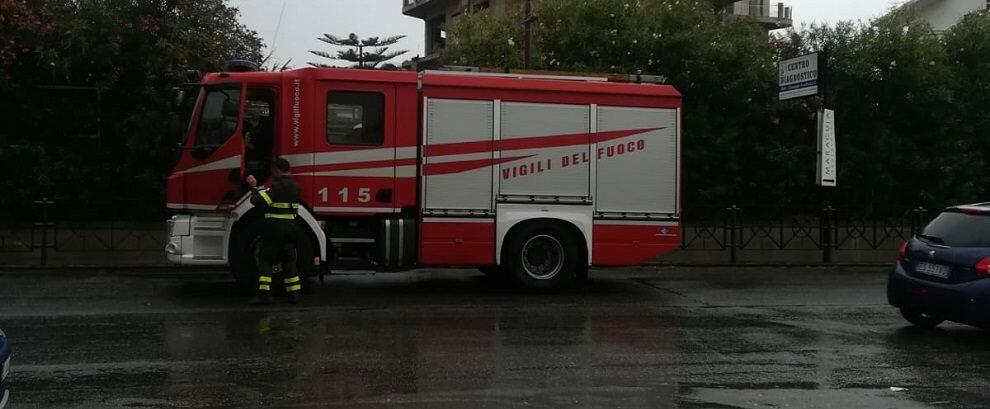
{"x":264,"y":195}
{"x":264,"y":279}
{"x":280,"y":216}
{"x":264,"y":287}
{"x":291,"y":280}
{"x":292,"y":288}
{"x":280,"y":205}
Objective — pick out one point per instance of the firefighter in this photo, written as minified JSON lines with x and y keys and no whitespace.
{"x":278,"y":238}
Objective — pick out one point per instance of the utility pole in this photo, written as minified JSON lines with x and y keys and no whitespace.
{"x":528,"y":40}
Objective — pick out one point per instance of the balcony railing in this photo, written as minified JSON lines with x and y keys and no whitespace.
{"x":771,"y":15}
{"x":423,"y":8}
{"x":764,"y":8}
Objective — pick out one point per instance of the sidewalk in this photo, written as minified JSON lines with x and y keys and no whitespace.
{"x":84,"y":259}
{"x":687,"y":258}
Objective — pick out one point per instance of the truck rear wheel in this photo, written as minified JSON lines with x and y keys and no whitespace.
{"x":245,"y":246}
{"x":542,"y":257}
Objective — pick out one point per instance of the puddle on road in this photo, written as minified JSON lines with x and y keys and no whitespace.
{"x":803,"y":398}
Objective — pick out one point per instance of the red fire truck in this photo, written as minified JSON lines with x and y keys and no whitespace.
{"x":534,"y":176}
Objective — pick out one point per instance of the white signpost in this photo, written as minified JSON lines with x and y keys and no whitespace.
{"x":799,"y":77}
{"x":825,"y":172}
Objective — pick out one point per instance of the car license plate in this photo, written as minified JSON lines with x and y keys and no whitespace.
{"x":936,"y":270}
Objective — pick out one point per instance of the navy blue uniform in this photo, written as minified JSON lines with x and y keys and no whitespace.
{"x":279,"y":239}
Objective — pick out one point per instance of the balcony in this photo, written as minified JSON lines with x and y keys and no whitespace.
{"x":771,"y":16}
{"x":425,"y":9}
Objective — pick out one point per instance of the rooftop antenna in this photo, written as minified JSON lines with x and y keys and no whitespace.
{"x":278,"y":26}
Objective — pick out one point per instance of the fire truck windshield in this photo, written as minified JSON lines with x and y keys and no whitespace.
{"x":219,"y":112}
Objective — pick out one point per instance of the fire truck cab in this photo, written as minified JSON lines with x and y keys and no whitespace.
{"x":537,"y":177}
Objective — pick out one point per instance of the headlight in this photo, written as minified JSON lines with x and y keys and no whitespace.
{"x":178,"y":225}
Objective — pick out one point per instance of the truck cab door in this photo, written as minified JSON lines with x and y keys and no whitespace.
{"x":355,"y":163}
{"x":209,"y":172}
{"x":259,"y":131}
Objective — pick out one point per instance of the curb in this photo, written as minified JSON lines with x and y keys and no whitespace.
{"x":750,"y":265}
{"x":96,"y":268}
{"x":166,"y":268}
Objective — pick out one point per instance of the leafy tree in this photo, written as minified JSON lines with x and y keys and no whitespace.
{"x":356,"y":53}
{"x":911,"y":106}
{"x":888,"y":83}
{"x":486,"y":39}
{"x":968,"y":48}
{"x":723,"y":66}
{"x":71,"y":62}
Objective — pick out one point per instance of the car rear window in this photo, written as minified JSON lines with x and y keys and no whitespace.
{"x":957,"y":229}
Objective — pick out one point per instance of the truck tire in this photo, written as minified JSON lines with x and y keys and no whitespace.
{"x":542,"y":257}
{"x":244,"y":249}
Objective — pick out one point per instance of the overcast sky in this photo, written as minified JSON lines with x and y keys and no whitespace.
{"x":294,"y":34}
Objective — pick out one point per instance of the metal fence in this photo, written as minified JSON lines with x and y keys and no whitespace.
{"x":111,"y":236}
{"x":826,"y":229}
{"x":727,"y":231}
{"x":47,"y":233}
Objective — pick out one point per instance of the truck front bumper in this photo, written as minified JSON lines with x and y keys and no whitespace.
{"x":198,"y":240}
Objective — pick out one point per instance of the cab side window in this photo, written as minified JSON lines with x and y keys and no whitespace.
{"x":218,"y":119}
{"x":355,"y":118}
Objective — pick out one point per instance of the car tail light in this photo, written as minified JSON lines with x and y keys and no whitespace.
{"x":982,"y":268}
{"x":903,"y":250}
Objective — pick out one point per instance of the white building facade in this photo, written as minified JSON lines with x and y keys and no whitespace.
{"x":943,"y":14}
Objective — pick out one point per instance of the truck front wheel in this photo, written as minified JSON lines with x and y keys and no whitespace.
{"x":245,"y":246}
{"x":542,"y":256}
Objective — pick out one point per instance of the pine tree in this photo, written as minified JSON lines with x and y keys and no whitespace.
{"x":356,"y":54}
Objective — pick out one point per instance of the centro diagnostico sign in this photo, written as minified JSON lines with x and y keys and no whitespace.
{"x":799,"y":77}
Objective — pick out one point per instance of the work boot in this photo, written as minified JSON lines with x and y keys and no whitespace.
{"x":294,"y":297}
{"x":262,"y":299}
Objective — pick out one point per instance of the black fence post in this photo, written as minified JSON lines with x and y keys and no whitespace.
{"x":45,"y":226}
{"x":735,"y":231}
{"x":828,"y":230}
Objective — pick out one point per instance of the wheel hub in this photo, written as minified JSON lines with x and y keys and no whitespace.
{"x":543,"y":257}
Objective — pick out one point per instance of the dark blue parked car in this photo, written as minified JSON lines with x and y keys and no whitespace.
{"x":5,"y":359}
{"x":943,"y":271}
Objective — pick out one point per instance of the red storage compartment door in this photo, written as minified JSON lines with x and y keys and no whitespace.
{"x":457,"y":241}
{"x":621,"y":243}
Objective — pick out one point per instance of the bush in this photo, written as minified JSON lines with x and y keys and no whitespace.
{"x":67,"y":63}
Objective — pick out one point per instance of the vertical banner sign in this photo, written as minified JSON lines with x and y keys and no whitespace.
{"x":799,"y":77}
{"x":825,"y":173}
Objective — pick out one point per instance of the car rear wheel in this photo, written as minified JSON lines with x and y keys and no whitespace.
{"x":921,"y":319}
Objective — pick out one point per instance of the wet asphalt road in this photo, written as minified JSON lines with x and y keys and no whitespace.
{"x":674,"y":337}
